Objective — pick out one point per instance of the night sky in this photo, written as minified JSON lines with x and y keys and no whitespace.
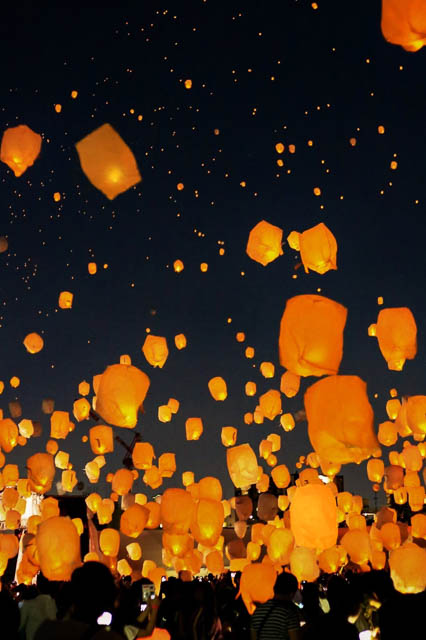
{"x":262,"y":73}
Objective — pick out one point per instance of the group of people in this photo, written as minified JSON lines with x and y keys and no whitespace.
{"x":95,"y":606}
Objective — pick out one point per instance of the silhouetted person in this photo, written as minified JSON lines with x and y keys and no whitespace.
{"x":278,"y":618}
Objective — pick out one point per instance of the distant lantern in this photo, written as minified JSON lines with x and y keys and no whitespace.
{"x":108,"y":162}
{"x":287,"y":422}
{"x":188,"y":84}
{"x":396,"y":332}
{"x":250,"y":388}
{"x":340,"y":419}
{"x":217,"y":388}
{"x":173,"y":404}
{"x":59,"y":425}
{"x":264,"y":243}
{"x":404,"y":23}
{"x":229,"y":436}
{"x":20,"y":148}
{"x":311,"y":335}
{"x":120,"y":395}
{"x":290,"y":384}
{"x":15,"y":382}
{"x":33,"y":343}
{"x":242,"y":465}
{"x":101,"y":439}
{"x":267,"y":369}
{"x":193,"y":428}
{"x":167,"y":464}
{"x":279,"y":147}
{"x":92,"y":268}
{"x":207,"y":522}
{"x":180,"y":341}
{"x":313,"y":516}
{"x":58,"y":548}
{"x":155,"y":350}
{"x":65,"y":300}
{"x":178,"y":266}
{"x":270,"y":404}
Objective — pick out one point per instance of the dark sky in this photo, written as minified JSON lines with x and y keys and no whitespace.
{"x":262,"y":73}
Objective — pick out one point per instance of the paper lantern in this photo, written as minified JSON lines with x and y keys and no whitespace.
{"x":41,"y":472}
{"x":281,"y":476}
{"x":58,"y":548}
{"x":416,"y":498}
{"x":155,"y":350}
{"x":178,"y":544}
{"x":412,"y":458}
{"x":287,"y":422}
{"x":357,"y":545}
{"x":101,"y":439}
{"x":396,"y":332}
{"x":193,"y":428}
{"x":154,"y":517}
{"x":122,"y":481}
{"x":68,"y":480}
{"x":81,"y":409}
{"x":313,"y":516}
{"x":329,"y":560}
{"x":105,"y":510}
{"x":120,"y":394}
{"x":267,"y":506}
{"x":311,"y":335}
{"x":59,"y":425}
{"x":265,"y":449}
{"x":210,"y":488}
{"x":33,"y":343}
{"x":228,"y":436}
{"x":20,"y":148}
{"x":177,"y":510}
{"x":318,"y":249}
{"x":240,"y":528}
{"x":8,"y":435}
{"x":340,"y":419}
{"x":93,"y":501}
{"x":418,"y":526}
{"x":167,"y":464}
{"x":134,"y":550}
{"x":187,"y":478}
{"x":387,"y":434}
{"x":404,"y":23}
{"x":303,"y":564}
{"x":142,"y":455}
{"x":109,"y":542}
{"x":173,"y":404}
{"x":390,"y":535}
{"x":217,"y":388}
{"x":92,"y":471}
{"x":415,"y":411}
{"x":164,"y":413}
{"x":108,"y":162}
{"x":408,"y":568}
{"x":270,"y":404}
{"x":264,"y":243}
{"x":133,"y":520}
{"x":375,"y":470}
{"x":243,"y":507}
{"x":214,"y":562}
{"x":267,"y":369}
{"x":207,"y":521}
{"x":290,"y":384}
{"x":394,"y":476}
{"x":48,"y":405}
{"x":280,"y":545}
{"x":400,"y":495}
{"x":242,"y":465}
{"x":257,"y":584}
{"x":10,"y":475}
{"x":26,"y":428}
{"x":65,"y":300}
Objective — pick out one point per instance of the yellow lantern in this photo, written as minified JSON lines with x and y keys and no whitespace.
{"x":318,"y":249}
{"x":287,"y":422}
{"x":58,"y":548}
{"x":313,"y":516}
{"x":108,"y":162}
{"x":68,"y":480}
{"x":134,"y":550}
{"x":311,"y":335}
{"x":207,"y":522}
{"x":33,"y":343}
{"x":101,"y":439}
{"x":267,"y":369}
{"x":303,"y":564}
{"x":187,"y":478}
{"x":109,"y":542}
{"x":167,"y":464}
{"x":228,"y":436}
{"x":120,"y":394}
{"x":193,"y":428}
{"x":26,"y":428}
{"x":280,"y":545}
{"x":396,"y":331}
{"x":62,"y":459}
{"x":242,"y":465}
{"x":164,"y":413}
{"x":20,"y":148}
{"x":155,"y":350}
{"x":180,"y":341}
{"x":340,"y":419}
{"x":408,"y":568}
{"x":81,"y":409}
{"x":264,"y":243}
{"x":217,"y":388}
{"x":404,"y":23}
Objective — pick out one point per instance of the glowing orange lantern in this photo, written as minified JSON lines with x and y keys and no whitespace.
{"x":133,"y":520}
{"x":120,"y":394}
{"x":242,"y":465}
{"x":408,"y":568}
{"x":33,"y":343}
{"x":142,"y":455}
{"x":155,"y":350}
{"x":207,"y":522}
{"x":229,"y":436}
{"x":404,"y":23}
{"x":290,"y":384}
{"x":264,"y":243}
{"x":101,"y":439}
{"x":217,"y":388}
{"x":257,"y":584}
{"x":270,"y":404}
{"x":20,"y":148}
{"x":109,"y":542}
{"x":58,"y":548}
{"x":41,"y":472}
{"x":396,"y":332}
{"x":193,"y":428}
{"x":313,"y":516}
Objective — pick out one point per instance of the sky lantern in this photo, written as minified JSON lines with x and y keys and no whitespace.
{"x":180,"y":341}
{"x":391,"y":535}
{"x":154,"y":517}
{"x":109,"y":542}
{"x":318,"y":248}
{"x":177,"y":510}
{"x":264,"y":243}
{"x":107,"y":161}
{"x":418,"y":526}
{"x":290,"y":384}
{"x":313,"y":516}
{"x":92,"y":268}
{"x":207,"y":522}
{"x":65,"y":300}
{"x":228,"y":436}
{"x":311,"y":335}
{"x":120,"y":395}
{"x":20,"y":148}
{"x":242,"y":465}
{"x":375,"y":469}
{"x":81,"y":409}
{"x":134,"y":551}
{"x":68,"y":480}
{"x":210,"y":487}
{"x":62,"y":459}
{"x":408,"y":568}
{"x":59,"y":425}
{"x":396,"y":331}
{"x":287,"y":422}
{"x":133,"y":520}
{"x":33,"y":343}
{"x":167,"y":464}
{"x":281,"y":476}
{"x":193,"y":428}
{"x":357,"y":545}
{"x":92,"y":471}
{"x":257,"y":584}
{"x":8,"y":435}
{"x":404,"y":23}
{"x":178,"y":266}
{"x":270,"y":404}
{"x":412,"y":458}
{"x":340,"y":419}
{"x":101,"y":439}
{"x":58,"y":548}
{"x":250,"y":388}
{"x":415,"y":411}
{"x":122,"y":481}
{"x":164,"y":413}
{"x":142,"y":455}
{"x":217,"y":388}
{"x":280,"y":545}
{"x":155,"y":350}
{"x":105,"y":510}
{"x":84,"y":388}
{"x":214,"y":562}
{"x":267,"y":506}
{"x":303,"y":564}
{"x":387,"y":434}
{"x":267,"y":369}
